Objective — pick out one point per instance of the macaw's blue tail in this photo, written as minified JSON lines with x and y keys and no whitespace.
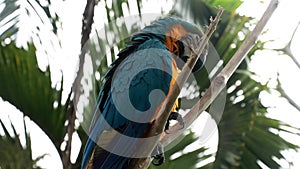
{"x":110,"y":161}
{"x":115,"y":150}
{"x":102,"y":159}
{"x":90,"y":145}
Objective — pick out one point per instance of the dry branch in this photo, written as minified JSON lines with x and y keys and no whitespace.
{"x":221,"y":79}
{"x":87,"y":22}
{"x":285,"y":95}
{"x":288,"y":50}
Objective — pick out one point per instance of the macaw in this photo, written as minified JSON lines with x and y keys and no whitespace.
{"x":133,"y":90}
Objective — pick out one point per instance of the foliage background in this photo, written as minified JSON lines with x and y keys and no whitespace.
{"x":246,"y":133}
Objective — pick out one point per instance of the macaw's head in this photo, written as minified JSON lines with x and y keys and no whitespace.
{"x":179,"y":36}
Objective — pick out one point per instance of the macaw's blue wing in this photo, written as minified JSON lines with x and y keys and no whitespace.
{"x":134,"y":88}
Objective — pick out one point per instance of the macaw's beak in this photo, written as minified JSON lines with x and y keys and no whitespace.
{"x":184,"y":54}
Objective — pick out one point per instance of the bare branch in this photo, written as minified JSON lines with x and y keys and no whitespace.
{"x":295,"y":60}
{"x":287,"y":51}
{"x":165,"y":110}
{"x":66,"y":154}
{"x":286,"y":96}
{"x":87,"y":22}
{"x":287,"y":48}
{"x":221,"y":79}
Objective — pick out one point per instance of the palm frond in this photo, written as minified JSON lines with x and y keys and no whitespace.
{"x":29,"y":21}
{"x":187,"y":160}
{"x":8,"y":18}
{"x":245,"y":132}
{"x":33,"y":95}
{"x":13,"y":153}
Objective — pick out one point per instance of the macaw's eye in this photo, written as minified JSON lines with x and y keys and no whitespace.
{"x":184,"y":54}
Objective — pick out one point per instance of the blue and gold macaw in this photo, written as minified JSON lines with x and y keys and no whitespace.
{"x":134,"y":88}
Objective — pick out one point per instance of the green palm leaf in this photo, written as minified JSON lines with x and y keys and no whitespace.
{"x":185,"y":160}
{"x":8,"y":18}
{"x":33,"y":11}
{"x":23,"y":84}
{"x":245,"y":132}
{"x":13,"y":154}
{"x":29,"y":89}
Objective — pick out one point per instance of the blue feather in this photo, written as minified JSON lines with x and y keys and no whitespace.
{"x":152,"y":53}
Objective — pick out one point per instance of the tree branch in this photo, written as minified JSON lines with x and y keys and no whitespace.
{"x":288,"y":50}
{"x":221,"y":79}
{"x":165,"y":110}
{"x":286,"y":96}
{"x":87,"y":22}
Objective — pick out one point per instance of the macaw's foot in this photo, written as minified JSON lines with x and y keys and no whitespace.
{"x":158,"y":155}
{"x":174,"y":116}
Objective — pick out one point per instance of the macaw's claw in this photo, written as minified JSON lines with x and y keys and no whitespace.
{"x":158,"y":159}
{"x":174,"y":116}
{"x":158,"y":155}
